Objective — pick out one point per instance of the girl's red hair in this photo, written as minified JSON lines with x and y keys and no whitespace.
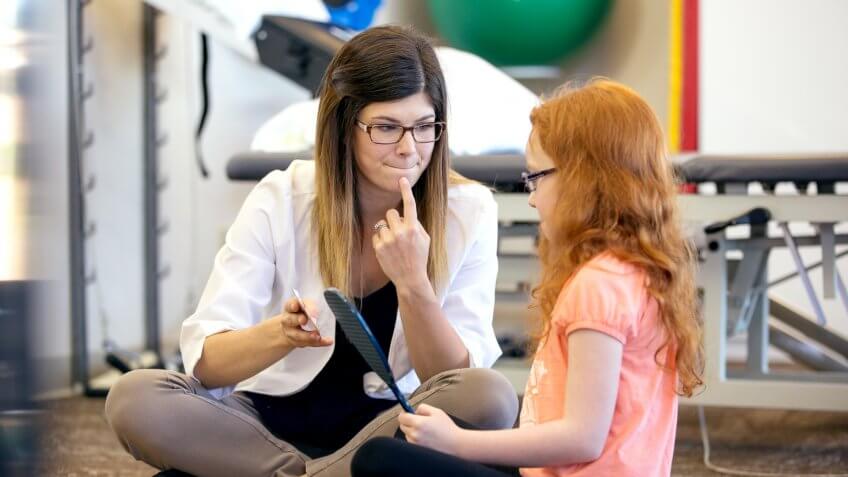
{"x":617,"y":193}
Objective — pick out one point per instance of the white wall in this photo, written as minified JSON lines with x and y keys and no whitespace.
{"x":774,"y":76}
{"x":631,"y":46}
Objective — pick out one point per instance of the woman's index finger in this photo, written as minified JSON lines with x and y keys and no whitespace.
{"x":410,"y":213}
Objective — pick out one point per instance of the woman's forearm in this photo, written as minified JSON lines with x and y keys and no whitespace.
{"x":233,"y":356}
{"x":434,"y":346}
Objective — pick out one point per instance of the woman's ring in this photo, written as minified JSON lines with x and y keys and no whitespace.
{"x":380,"y":225}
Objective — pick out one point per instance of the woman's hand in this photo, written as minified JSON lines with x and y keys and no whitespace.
{"x":291,"y":320}
{"x":401,"y":243}
{"x":431,"y":427}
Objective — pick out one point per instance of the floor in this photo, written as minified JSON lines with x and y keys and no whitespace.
{"x":77,"y":442}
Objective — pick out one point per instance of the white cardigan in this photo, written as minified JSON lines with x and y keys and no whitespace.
{"x":271,"y":248}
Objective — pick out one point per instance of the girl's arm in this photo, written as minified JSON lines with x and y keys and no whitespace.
{"x":594,"y":364}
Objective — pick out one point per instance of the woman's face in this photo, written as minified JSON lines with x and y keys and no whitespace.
{"x":382,"y":165}
{"x":544,"y":198}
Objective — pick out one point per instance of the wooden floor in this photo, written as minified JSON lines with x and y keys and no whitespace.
{"x":77,"y":442}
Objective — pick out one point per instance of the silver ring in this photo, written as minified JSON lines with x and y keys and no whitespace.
{"x":380,"y":225}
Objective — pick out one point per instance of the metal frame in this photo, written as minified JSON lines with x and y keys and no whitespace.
{"x":76,"y":201}
{"x":755,"y":385}
{"x":81,"y":226}
{"x":152,"y":228}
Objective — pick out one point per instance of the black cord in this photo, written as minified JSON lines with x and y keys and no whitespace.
{"x":204,"y":113}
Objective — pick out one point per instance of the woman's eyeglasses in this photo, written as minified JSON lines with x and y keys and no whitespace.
{"x":531,"y":178}
{"x":393,"y":133}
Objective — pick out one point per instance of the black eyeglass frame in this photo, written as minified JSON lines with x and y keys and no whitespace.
{"x":531,"y":178}
{"x":367,"y":128}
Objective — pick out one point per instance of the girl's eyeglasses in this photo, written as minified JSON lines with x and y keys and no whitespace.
{"x":531,"y":179}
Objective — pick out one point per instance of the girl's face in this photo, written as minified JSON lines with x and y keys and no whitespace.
{"x":382,"y":165}
{"x":546,"y":192}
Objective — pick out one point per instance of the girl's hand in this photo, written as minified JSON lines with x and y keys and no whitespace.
{"x":401,"y":244}
{"x":431,"y":427}
{"x":291,"y":320}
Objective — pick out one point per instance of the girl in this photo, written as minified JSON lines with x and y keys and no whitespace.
{"x":619,"y":336}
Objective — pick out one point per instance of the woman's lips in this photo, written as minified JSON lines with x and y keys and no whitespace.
{"x":402,"y":167}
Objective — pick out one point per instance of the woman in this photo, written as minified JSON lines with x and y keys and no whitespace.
{"x":377,"y":214}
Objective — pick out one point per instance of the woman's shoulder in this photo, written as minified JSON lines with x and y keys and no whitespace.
{"x":472,"y":207}
{"x":297,"y":179}
{"x":284,"y":193}
{"x":469,"y":194}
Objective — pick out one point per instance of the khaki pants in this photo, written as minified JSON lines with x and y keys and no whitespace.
{"x":170,"y":421}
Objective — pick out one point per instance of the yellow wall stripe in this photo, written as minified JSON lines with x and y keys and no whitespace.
{"x":675,"y":74}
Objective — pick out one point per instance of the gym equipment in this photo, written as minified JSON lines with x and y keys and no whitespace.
{"x":735,"y":290}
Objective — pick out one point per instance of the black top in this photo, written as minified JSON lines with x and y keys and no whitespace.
{"x":326,"y":414}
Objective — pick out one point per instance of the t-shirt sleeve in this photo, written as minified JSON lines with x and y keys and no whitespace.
{"x":600,"y":300}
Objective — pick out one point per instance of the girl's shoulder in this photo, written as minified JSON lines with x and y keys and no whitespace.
{"x":606,"y":294}
{"x":607,"y":262}
{"x":606,"y":274}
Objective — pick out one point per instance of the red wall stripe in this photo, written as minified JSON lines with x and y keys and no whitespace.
{"x":689,"y":100}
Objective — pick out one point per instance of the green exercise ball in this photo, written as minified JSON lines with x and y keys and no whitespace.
{"x":518,"y":32}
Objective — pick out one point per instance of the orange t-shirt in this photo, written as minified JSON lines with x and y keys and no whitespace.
{"x":610,"y":296}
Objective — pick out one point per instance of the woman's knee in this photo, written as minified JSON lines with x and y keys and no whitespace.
{"x":482,"y":397}
{"x":132,"y":398}
{"x":494,"y":394}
